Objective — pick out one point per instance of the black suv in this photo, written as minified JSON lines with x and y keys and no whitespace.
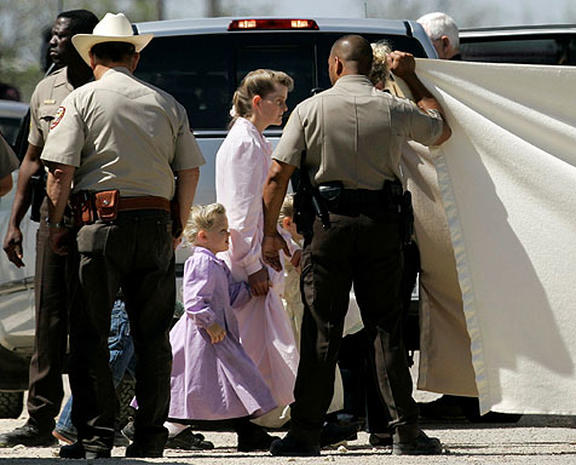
{"x":541,"y":45}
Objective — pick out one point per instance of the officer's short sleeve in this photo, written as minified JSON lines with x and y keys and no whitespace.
{"x":187,"y":154}
{"x":8,"y":161}
{"x":67,"y":133}
{"x":292,"y":143}
{"x":35,"y":136}
{"x":414,"y":124}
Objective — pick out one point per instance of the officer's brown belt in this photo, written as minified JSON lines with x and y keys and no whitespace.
{"x":87,"y":207}
{"x":143,"y":203}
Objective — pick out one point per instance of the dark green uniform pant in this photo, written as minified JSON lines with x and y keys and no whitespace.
{"x":134,"y":253}
{"x":55,"y":285}
{"x":364,"y":251}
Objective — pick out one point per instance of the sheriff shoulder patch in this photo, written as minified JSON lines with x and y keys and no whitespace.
{"x":58,"y":117}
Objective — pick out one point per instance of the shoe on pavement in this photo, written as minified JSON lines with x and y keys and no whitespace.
{"x":255,"y":440}
{"x":334,"y":434}
{"x":64,"y":436}
{"x":136,"y":450}
{"x":27,"y":435}
{"x":290,"y":447}
{"x":187,"y":440}
{"x":380,"y":440}
{"x":128,"y":431}
{"x":420,"y":445}
{"x":446,"y":407}
{"x":69,"y":437}
{"x":77,"y":451}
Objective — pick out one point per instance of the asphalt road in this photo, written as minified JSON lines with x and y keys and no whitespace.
{"x":535,"y":440}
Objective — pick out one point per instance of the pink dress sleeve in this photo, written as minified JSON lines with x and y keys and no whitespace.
{"x":240,"y":191}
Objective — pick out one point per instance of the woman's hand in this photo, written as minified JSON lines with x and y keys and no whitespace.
{"x":296,"y":259}
{"x":259,"y":282}
{"x":216,"y":332}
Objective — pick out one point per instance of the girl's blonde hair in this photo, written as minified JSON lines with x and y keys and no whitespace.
{"x":259,"y":82}
{"x":202,"y":218}
{"x":380,"y":71}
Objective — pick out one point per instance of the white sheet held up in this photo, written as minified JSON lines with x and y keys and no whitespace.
{"x":508,"y":182}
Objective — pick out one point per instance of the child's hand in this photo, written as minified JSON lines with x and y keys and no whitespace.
{"x":216,"y":332}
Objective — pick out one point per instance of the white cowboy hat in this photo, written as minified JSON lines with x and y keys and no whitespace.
{"x":112,"y":28}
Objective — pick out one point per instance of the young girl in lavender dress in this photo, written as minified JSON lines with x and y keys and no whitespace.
{"x":212,"y":376}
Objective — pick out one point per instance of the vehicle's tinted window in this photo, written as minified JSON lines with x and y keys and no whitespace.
{"x":296,"y":59}
{"x":195,"y":70}
{"x":546,"y":51}
{"x":203,"y":71}
{"x":9,"y":129}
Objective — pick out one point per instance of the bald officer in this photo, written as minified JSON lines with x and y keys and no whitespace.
{"x":8,"y":163}
{"x":352,"y":135}
{"x":123,"y":143}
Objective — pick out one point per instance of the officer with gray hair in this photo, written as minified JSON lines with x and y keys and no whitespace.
{"x":443,"y":33}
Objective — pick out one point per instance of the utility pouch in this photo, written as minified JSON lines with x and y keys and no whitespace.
{"x":332,"y":194}
{"x":82,"y":208}
{"x":106,"y":204}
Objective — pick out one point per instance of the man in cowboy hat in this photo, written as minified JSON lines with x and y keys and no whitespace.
{"x":123,"y":143}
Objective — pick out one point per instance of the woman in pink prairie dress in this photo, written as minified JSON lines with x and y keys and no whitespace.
{"x":242,"y":165}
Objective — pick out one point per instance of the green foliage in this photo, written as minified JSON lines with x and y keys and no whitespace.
{"x":464,"y":13}
{"x":23,"y":22}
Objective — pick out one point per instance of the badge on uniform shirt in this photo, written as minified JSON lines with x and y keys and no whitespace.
{"x":49,"y":101}
{"x":58,"y":117}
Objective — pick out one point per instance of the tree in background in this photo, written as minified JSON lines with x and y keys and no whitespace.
{"x":465,"y":13}
{"x":215,"y":8}
{"x":22,"y":26}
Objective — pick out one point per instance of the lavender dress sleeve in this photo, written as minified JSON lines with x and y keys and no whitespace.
{"x":198,"y":290}
{"x":239,"y":294}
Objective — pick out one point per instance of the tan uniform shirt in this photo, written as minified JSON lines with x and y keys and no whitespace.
{"x":46,"y":99}
{"x":122,"y":133}
{"x":353,"y":133}
{"x":8,"y":161}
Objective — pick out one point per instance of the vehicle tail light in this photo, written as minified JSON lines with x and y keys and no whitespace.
{"x":268,"y":24}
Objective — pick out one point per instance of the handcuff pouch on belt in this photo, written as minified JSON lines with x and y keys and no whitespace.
{"x":87,"y":207}
{"x":106,"y":204}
